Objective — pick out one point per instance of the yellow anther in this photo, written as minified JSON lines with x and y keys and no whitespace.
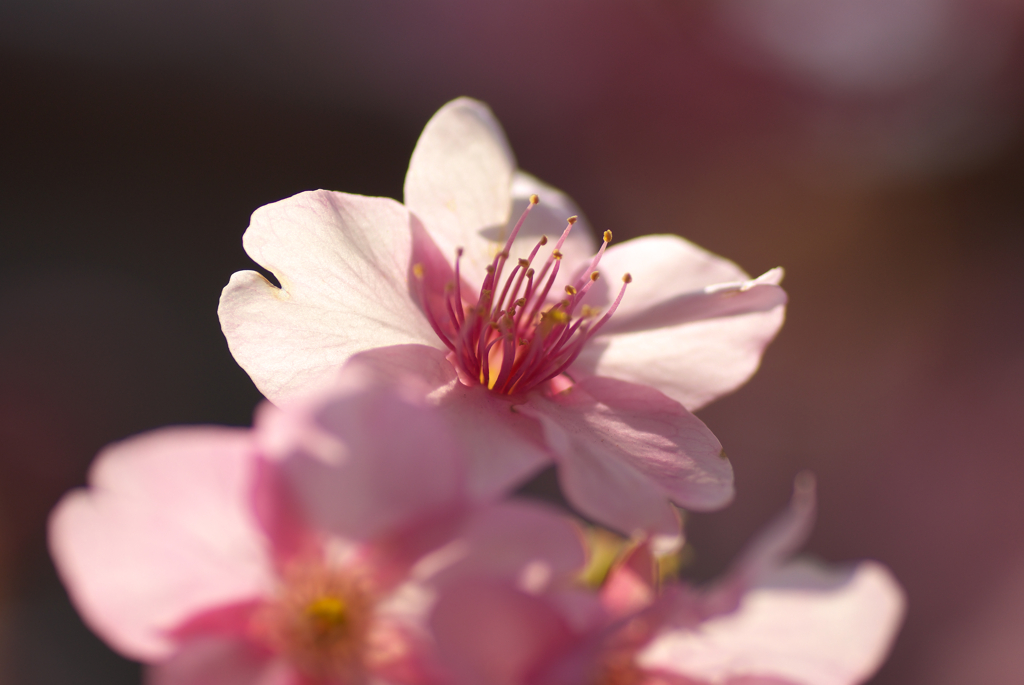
{"x":489,"y":268}
{"x":543,"y":240}
{"x":572,"y":219}
{"x":550,"y":319}
{"x":417,"y":270}
{"x":570,"y":290}
{"x":529,"y":273}
{"x":556,"y":254}
{"x":458,"y":252}
{"x":521,"y":302}
{"x":327,"y":614}
{"x":594,"y":275}
{"x":534,"y":199}
{"x":587,"y":311}
{"x":524,"y":262}
{"x":627,"y":278}
{"x":556,"y":315}
{"x":607,"y":236}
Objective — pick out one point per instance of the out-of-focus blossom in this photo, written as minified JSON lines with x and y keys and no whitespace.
{"x":303,"y":552}
{"x":876,"y":45}
{"x":767,"y":622}
{"x":907,"y":86}
{"x":516,"y":313}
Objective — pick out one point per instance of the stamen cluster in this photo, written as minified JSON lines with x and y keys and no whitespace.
{"x":320,"y":620}
{"x":508,"y":339}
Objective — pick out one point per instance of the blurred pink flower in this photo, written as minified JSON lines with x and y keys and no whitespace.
{"x":305,"y":551}
{"x":769,"y":623}
{"x":528,"y":335}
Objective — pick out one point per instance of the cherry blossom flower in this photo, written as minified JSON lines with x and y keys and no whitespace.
{"x":767,"y":622}
{"x":548,"y":355}
{"x":303,"y":552}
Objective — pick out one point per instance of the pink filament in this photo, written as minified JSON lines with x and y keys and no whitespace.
{"x":532,"y":346}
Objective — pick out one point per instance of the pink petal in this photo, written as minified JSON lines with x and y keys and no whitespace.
{"x":501,"y":447}
{"x":491,"y":633}
{"x":459,"y":181}
{"x":527,"y":543}
{"x":343,"y":263}
{"x":781,"y":538}
{"x":370,"y":460}
{"x":421,"y":369}
{"x":165,"y":531}
{"x":803,"y":624}
{"x":626,"y":450}
{"x":632,"y":583}
{"x":697,"y":347}
{"x":218,"y":661}
{"x":400,"y":653}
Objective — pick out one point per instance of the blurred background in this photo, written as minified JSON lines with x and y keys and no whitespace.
{"x":872,"y":147}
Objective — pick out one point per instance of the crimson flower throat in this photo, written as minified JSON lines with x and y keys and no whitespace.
{"x":509,"y":338}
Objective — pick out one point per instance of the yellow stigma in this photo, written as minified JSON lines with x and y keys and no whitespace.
{"x":326,"y":614}
{"x":534,"y":199}
{"x":627,"y":278}
{"x":417,"y":270}
{"x":570,"y":290}
{"x":572,"y":219}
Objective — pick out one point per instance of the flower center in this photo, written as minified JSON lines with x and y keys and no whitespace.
{"x":319,"y":621}
{"x":510,"y":339}
{"x":327,"y":617}
{"x":620,"y":670}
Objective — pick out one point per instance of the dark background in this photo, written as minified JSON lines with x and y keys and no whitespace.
{"x":872,"y":147}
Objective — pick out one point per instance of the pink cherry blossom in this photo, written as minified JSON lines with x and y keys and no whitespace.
{"x":768,"y":622}
{"x":306,"y":551}
{"x":555,"y":350}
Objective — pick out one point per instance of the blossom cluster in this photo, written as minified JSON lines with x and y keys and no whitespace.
{"x":421,"y":362}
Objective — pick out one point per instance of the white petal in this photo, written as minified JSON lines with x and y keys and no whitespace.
{"x":459,"y":182}
{"x":693,"y":362}
{"x":662,"y":267}
{"x":804,"y":624}
{"x":343,"y":262}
